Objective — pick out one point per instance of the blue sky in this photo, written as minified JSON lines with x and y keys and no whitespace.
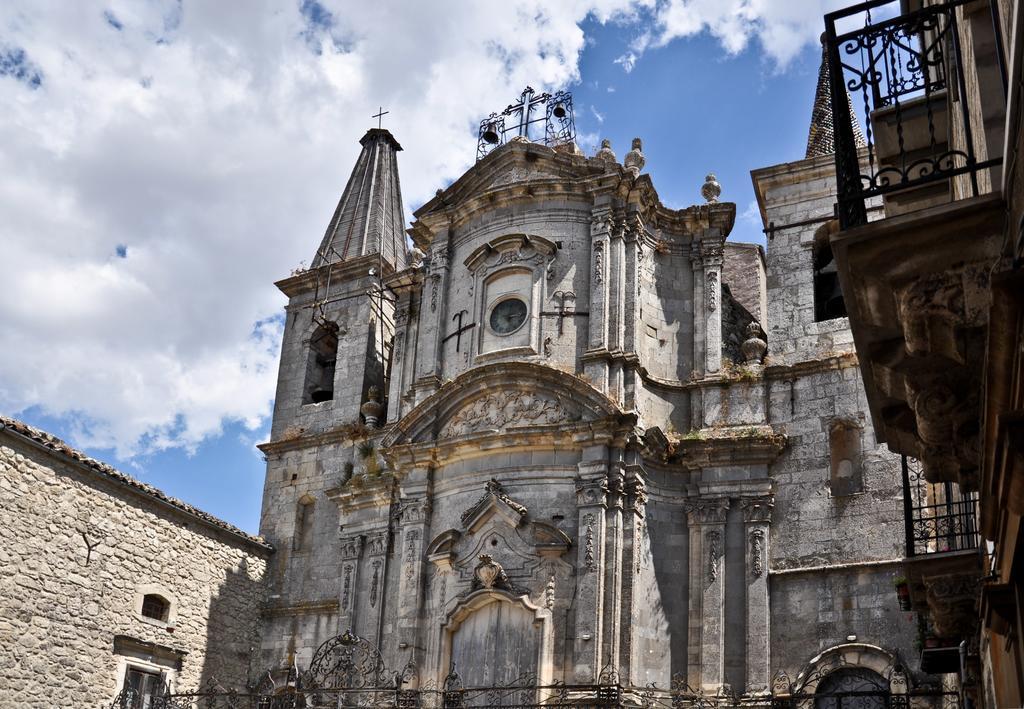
{"x":174,"y":159}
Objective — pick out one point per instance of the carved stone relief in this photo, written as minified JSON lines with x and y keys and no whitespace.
{"x":374,"y":583}
{"x":589,"y":554}
{"x":346,"y":586}
{"x":711,"y":290}
{"x":598,"y":262}
{"x":411,"y":554}
{"x":501,"y":409}
{"x":757,"y":552}
{"x":713,"y":541}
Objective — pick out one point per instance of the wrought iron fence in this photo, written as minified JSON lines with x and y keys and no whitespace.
{"x":939,"y":517}
{"x":900,"y":72}
{"x":348,"y":672}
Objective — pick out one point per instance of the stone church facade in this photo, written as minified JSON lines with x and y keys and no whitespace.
{"x":575,"y":434}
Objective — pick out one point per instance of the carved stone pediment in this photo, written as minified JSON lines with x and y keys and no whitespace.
{"x":494,"y":502}
{"x":510,"y":249}
{"x":502,"y":410}
{"x":499,"y":397}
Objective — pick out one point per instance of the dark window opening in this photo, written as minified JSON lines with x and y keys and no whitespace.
{"x":147,"y":688}
{"x":155,"y":607}
{"x":828,"y":296}
{"x":323,"y":356}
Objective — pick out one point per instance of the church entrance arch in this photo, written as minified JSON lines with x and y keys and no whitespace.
{"x":496,"y":639}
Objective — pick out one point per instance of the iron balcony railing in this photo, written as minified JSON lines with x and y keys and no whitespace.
{"x":905,"y":74}
{"x":939,"y":517}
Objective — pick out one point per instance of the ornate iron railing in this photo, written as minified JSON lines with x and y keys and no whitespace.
{"x":900,"y":72}
{"x":347,"y":671}
{"x":545,"y":118}
{"x":939,"y":517}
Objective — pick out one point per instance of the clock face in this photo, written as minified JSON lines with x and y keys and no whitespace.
{"x":508,"y":316}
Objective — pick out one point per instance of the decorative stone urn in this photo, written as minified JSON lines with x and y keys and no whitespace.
{"x":711,"y":189}
{"x":754,"y":348}
{"x":635,"y":160}
{"x":606,"y":153}
{"x":372,"y":409}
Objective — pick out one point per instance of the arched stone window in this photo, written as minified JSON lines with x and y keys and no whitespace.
{"x":828,"y":296}
{"x":320,"y":365}
{"x":155,"y":604}
{"x":508,"y":274}
{"x":156,"y":607}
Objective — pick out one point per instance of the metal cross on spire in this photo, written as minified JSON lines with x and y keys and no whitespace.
{"x":379,"y":115}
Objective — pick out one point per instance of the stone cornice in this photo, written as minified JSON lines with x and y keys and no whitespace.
{"x":349,"y":272}
{"x":709,"y":447}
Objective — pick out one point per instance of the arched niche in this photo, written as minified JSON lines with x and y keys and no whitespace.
{"x":495,"y":638}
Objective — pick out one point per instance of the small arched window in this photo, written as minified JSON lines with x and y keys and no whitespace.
{"x":323,"y":357}
{"x":828,"y":295}
{"x":156,"y":607}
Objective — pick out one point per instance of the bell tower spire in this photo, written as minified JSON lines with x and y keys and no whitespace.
{"x":369,"y":218}
{"x":821,"y":135}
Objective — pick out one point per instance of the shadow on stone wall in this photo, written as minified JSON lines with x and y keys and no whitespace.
{"x":233,"y":629}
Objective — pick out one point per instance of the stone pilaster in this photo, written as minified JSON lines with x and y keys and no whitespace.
{"x":635,"y":563}
{"x":374,"y":570}
{"x":413,"y":529}
{"x":348,"y":595}
{"x":613,"y":567}
{"x":404,"y":339}
{"x":432,"y":318}
{"x":596,"y":365}
{"x":706,"y":519}
{"x":710,"y":276}
{"x":757,"y":515}
{"x":591,"y":504}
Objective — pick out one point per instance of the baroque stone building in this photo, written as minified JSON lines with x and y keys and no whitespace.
{"x":574,"y":434}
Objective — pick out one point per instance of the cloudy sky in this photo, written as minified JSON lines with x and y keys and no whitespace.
{"x":162,"y":163}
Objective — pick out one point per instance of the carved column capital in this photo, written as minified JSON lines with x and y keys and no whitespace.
{"x":414,"y":511}
{"x":758,"y":509}
{"x":377,"y":544}
{"x":707,"y":510}
{"x":592,"y":492}
{"x":351,"y":547}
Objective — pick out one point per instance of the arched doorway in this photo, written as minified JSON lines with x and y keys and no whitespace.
{"x":852,"y":688}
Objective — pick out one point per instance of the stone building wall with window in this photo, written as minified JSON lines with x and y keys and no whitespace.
{"x":104,"y":580}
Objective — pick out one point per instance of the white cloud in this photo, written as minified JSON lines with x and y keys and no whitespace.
{"x":782,"y":28}
{"x":162,"y":164}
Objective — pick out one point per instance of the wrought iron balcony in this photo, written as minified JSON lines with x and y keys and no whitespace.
{"x":939,"y":517}
{"x":926,"y":140}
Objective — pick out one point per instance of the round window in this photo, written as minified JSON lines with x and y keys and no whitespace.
{"x":508,"y":316}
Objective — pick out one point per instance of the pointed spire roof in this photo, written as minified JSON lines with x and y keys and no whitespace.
{"x":370,"y":217}
{"x":821,"y":136}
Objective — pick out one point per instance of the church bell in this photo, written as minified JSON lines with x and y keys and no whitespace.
{"x":559,"y":110}
{"x":490,"y":134}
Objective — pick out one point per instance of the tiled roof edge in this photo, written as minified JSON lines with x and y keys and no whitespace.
{"x":108,"y":472}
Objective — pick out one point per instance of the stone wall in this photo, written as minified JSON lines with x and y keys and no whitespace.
{"x":835,"y":543}
{"x":80,"y":544}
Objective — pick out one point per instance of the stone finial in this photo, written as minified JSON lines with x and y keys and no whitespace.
{"x":753,"y":348}
{"x":711,"y":189}
{"x":605,"y":153}
{"x":372,"y":409}
{"x":635,"y":160}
